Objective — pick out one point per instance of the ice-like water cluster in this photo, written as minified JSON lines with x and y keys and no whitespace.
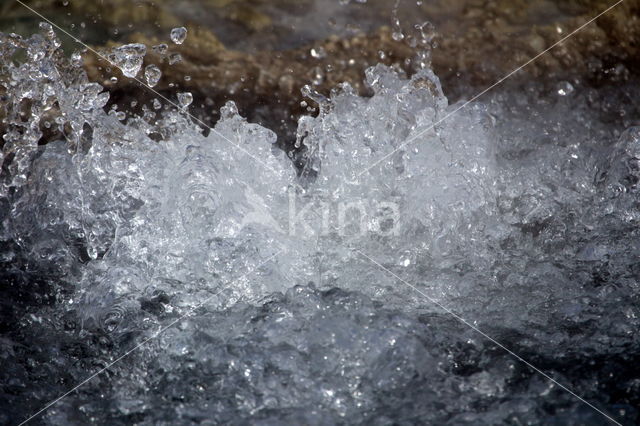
{"x":525,"y":223}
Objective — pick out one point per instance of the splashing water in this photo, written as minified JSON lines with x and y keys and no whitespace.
{"x":532,"y":237}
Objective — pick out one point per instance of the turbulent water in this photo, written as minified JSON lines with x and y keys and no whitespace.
{"x":323,"y":294}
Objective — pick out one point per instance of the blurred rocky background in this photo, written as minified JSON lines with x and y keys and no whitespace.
{"x":260,"y":53}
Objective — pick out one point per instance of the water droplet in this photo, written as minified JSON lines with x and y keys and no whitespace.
{"x":174,"y":58}
{"x":565,"y":88}
{"x":76,"y":59}
{"x":317,"y":76}
{"x":318,"y":52}
{"x":178,"y":35}
{"x":161,"y":49}
{"x":185,"y":99}
{"x":128,"y":58}
{"x":47,"y":30}
{"x":152,"y":74}
{"x":396,"y":33}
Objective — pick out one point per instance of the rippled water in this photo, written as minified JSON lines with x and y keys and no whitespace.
{"x":315,"y":295}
